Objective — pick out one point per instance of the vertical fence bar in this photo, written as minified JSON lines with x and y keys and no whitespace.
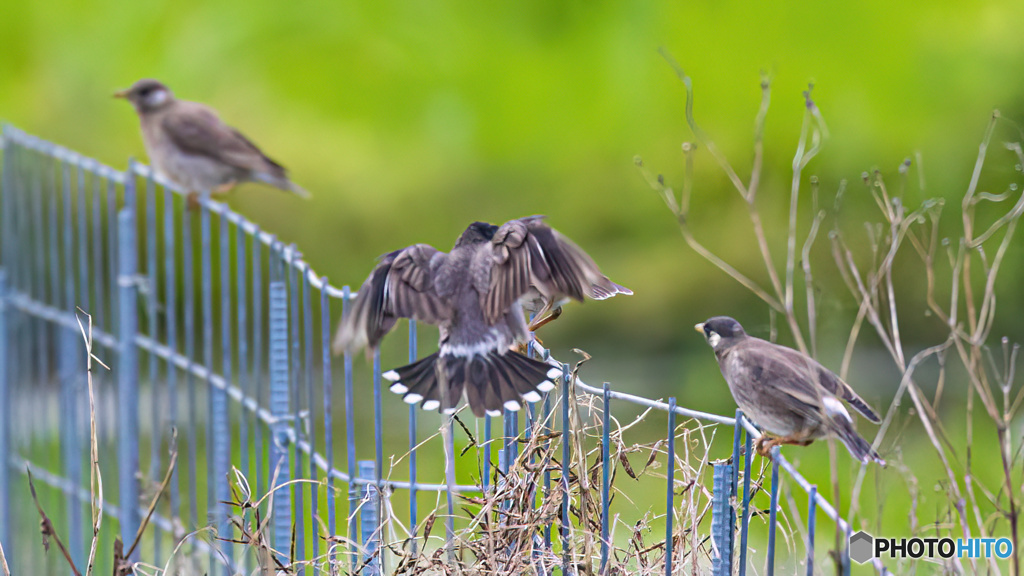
{"x":298,"y":489}
{"x":547,"y":469}
{"x":11,"y":259}
{"x":6,"y":211}
{"x":257,"y":357}
{"x":171,"y":333}
{"x":242,"y":336}
{"x":369,"y":517}
{"x":486,"y":480}
{"x":188,"y":282}
{"x":112,"y":274}
{"x":721,"y":520}
{"x":670,"y":470}
{"x":206,"y":307}
{"x":68,"y":348}
{"x":745,"y":519}
{"x":378,"y":418}
{"x":307,"y":340}
{"x":221,"y":423}
{"x":350,"y":440}
{"x":734,"y":484}
{"x":772,"y":512}
{"x":812,"y":508}
{"x":128,"y":370}
{"x":39,"y":257}
{"x":5,"y":418}
{"x":156,"y":408}
{"x":84,"y":301}
{"x":279,"y":472}
{"x":99,"y":312}
{"x":112,"y":242}
{"x":72,"y":455}
{"x":566,"y":455}
{"x":606,"y":466}
{"x":325,"y":341}
{"x":413,"y":509}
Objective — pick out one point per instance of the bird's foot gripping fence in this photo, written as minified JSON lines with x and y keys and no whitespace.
{"x":230,"y":439}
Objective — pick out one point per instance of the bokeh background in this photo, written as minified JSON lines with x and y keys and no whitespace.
{"x":408,"y":120}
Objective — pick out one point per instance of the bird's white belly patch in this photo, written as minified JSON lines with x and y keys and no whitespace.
{"x":197,"y":173}
{"x":493,"y":341}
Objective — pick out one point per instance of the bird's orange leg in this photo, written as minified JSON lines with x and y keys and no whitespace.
{"x":765,"y":444}
{"x":553,"y":315}
{"x":225,"y":187}
{"x":192,"y":201}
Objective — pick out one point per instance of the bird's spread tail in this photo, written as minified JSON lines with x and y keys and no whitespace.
{"x":858,"y":446}
{"x":492,"y":382}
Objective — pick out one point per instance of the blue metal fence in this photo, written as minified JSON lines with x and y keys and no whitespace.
{"x":255,"y":392}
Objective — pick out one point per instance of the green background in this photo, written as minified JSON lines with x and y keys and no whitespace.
{"x":408,"y":120}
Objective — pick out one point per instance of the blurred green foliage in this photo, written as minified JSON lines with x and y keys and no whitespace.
{"x":409,"y":120}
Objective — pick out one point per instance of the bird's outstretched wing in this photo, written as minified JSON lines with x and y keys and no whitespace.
{"x":527,"y":253}
{"x":196,"y":129}
{"x":401,"y":286}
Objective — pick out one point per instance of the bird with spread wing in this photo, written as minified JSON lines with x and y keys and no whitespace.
{"x":475,"y":294}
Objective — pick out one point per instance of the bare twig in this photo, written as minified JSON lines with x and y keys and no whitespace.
{"x":46,"y":527}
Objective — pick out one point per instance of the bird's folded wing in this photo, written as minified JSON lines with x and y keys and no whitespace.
{"x":527,"y":253}
{"x":196,"y":129}
{"x":837,"y":386}
{"x":810,"y":382}
{"x":401,"y":286}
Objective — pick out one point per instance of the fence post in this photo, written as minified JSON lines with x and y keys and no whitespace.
{"x":279,"y":471}
{"x":5,"y":424}
{"x":722,"y":521}
{"x":369,"y":517}
{"x":128,"y":370}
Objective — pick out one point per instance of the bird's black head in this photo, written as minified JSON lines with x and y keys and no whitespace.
{"x":720,"y":329}
{"x":147,"y":95}
{"x":477,"y":233}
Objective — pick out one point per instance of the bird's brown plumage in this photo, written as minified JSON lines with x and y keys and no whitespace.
{"x":785,"y":392}
{"x":189,"y":144}
{"x":473,"y":294}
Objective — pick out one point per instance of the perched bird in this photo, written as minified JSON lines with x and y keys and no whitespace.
{"x":473,"y":295}
{"x":784,"y":392}
{"x":189,"y":144}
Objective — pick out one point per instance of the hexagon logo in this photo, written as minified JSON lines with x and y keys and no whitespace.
{"x":861,"y":547}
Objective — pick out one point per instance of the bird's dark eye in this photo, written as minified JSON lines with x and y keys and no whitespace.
{"x":145,"y":92}
{"x":707,"y":330}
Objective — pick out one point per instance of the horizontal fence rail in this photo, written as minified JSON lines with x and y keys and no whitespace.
{"x":217,"y":337}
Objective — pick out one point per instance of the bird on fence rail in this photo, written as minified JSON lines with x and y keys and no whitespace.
{"x":785,"y":392}
{"x":475,"y":294}
{"x":190,"y":145}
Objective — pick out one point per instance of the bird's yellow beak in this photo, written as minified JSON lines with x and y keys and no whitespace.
{"x":699,"y":327}
{"x":121,"y":94}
